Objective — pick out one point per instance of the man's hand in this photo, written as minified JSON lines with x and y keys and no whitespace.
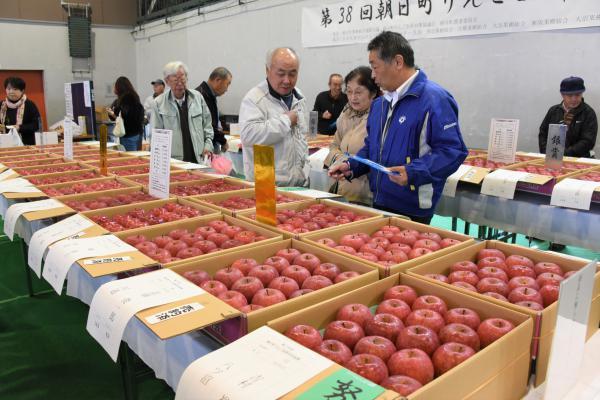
{"x":327,"y":115}
{"x":400,"y":179}
{"x":207,"y":153}
{"x":340,"y":171}
{"x":293,"y":116}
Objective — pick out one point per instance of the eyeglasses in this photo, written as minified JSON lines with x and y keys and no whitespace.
{"x":178,"y":79}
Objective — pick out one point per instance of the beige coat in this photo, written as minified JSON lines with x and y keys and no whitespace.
{"x":350,"y":138}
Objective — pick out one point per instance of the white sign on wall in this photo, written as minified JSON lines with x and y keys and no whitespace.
{"x":358,"y":21}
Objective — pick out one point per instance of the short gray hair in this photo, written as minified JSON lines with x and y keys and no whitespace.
{"x":174,"y":66}
{"x":219,"y":73}
{"x":271,"y":54}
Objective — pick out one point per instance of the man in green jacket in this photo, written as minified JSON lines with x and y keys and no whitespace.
{"x":185,"y":112}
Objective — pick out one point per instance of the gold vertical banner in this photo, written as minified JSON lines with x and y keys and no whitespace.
{"x":264,"y":184}
{"x":103,"y":158}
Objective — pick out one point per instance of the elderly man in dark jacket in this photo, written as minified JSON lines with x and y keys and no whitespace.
{"x":218,"y":83}
{"x":580,"y":118}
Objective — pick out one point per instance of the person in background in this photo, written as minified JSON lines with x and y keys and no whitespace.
{"x":412,"y":130}
{"x":352,"y":131}
{"x":274,"y":113}
{"x":580,"y":118}
{"x":329,"y":105}
{"x":128,"y":106}
{"x":158,"y":87}
{"x":217,"y":85}
{"x":185,"y":112}
{"x":17,"y":110}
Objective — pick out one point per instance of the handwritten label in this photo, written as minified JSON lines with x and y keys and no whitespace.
{"x":555,"y":146}
{"x":69,"y":228}
{"x":87,"y":94}
{"x":263,"y":364}
{"x":68,"y":101}
{"x":16,"y":210}
{"x":502,"y":145}
{"x":63,"y":254}
{"x":174,"y":312}
{"x":502,"y":183}
{"x":68,"y":139}
{"x":160,"y":166}
{"x":574,"y":302}
{"x":573,"y":193}
{"x":106,"y":260}
{"x":452,"y":181}
{"x":116,"y":302}
{"x":343,"y":384}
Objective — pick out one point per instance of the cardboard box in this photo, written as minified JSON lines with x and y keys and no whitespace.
{"x":118,"y":162}
{"x":27,"y":157}
{"x":27,"y":171}
{"x":232,"y":329}
{"x":148,"y":205}
{"x":237,"y":183}
{"x":373,"y":226}
{"x":192,"y":223}
{"x":545,"y":320}
{"x":135,"y":261}
{"x":96,"y":156}
{"x":73,"y":176}
{"x":470,"y":376}
{"x":126,"y":183}
{"x":370,"y":215}
{"x":105,"y":193}
{"x":35,"y":162}
{"x":144,"y":178}
{"x":210,"y":200}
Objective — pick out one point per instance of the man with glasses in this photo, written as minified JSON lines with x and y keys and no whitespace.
{"x":185,"y":112}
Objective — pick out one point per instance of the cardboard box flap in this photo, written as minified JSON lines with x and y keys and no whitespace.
{"x":51,"y":213}
{"x":23,"y":196}
{"x":475,"y":175}
{"x":130,"y":261}
{"x":213,"y":311}
{"x":536,"y":179}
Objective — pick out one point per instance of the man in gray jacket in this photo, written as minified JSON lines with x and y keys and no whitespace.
{"x":274,"y":113}
{"x":185,"y":112}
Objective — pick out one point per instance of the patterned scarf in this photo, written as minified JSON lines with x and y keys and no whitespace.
{"x":19,"y":105}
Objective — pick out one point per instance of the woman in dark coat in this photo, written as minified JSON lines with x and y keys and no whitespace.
{"x":17,"y":110}
{"x":132,"y":112}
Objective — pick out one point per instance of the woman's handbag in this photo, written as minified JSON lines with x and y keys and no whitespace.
{"x":119,"y":130}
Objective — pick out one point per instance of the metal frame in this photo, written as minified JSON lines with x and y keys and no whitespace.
{"x":168,"y":8}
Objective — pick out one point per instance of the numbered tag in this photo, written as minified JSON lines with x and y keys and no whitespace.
{"x":174,"y":312}
{"x":160,"y":163}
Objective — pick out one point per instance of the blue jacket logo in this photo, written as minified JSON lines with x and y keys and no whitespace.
{"x":402,"y":119}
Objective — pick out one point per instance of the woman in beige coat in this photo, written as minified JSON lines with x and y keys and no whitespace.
{"x":352,"y":130}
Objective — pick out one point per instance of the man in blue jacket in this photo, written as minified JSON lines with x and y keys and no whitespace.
{"x":412,"y":129}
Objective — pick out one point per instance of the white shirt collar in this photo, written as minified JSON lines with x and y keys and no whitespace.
{"x":179,"y":101}
{"x":394,"y":96}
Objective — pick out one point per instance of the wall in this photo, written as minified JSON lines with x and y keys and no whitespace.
{"x":45,"y":46}
{"x":507,"y":76}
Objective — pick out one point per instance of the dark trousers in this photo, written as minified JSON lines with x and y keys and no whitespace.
{"x":422,"y":220}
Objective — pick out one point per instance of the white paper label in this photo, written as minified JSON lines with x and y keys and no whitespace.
{"x":116,"y":302}
{"x":588,"y":160}
{"x":160,"y":166}
{"x":63,"y":254}
{"x":68,"y":139}
{"x":106,"y":260}
{"x":555,"y":146}
{"x":263,"y":364}
{"x":6,"y":174}
{"x":190,"y":166}
{"x":566,"y":354}
{"x":68,"y":101}
{"x":2,"y":166}
{"x":311,"y":193}
{"x":502,"y":183}
{"x":12,"y":185}
{"x":504,"y":134}
{"x":16,"y":210}
{"x":452,"y":181}
{"x":174,"y":312}
{"x":573,"y":193}
{"x":69,"y":228}
{"x":87,"y":94}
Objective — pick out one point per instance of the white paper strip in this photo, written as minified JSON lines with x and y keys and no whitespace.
{"x":502,"y":183}
{"x":45,"y":237}
{"x":588,"y":160}
{"x":62,"y":255}
{"x":263,"y":364}
{"x":173,"y":313}
{"x":11,"y":185}
{"x":16,"y":210}
{"x":573,"y":193}
{"x":160,"y":167}
{"x":6,"y":174}
{"x":452,"y":181}
{"x":309,"y":193}
{"x":191,"y":166}
{"x":116,"y":302}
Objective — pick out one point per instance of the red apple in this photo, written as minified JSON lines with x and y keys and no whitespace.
{"x":465,"y":285}
{"x":287,"y":286}
{"x":280,"y":263}
{"x":214,"y":287}
{"x":495,"y":262}
{"x":531,"y":305}
{"x":430,"y":319}
{"x":373,"y":248}
{"x":266,"y":273}
{"x":464,"y":266}
{"x":548,"y":278}
{"x":308,"y":261}
{"x":493,"y":329}
{"x":525,"y":294}
{"x":135,"y":239}
{"x":414,"y":363}
{"x":542,"y":267}
{"x":347,"y":332}
{"x":449,"y":355}
{"x":460,"y":333}
{"x":178,"y":233}
{"x":492,"y":272}
{"x":418,"y":337}
{"x":244,"y":265}
{"x":316,"y":282}
{"x":248,"y":308}
{"x":397,"y":256}
{"x":306,"y":335}
{"x":386,"y":325}
{"x":289,"y":254}
{"x":438,"y":277}
{"x":344,"y":276}
{"x":161,"y":241}
{"x":234,"y":299}
{"x":495,"y":295}
{"x":335,"y":350}
{"x":354,"y":241}
{"x":515,"y":270}
{"x":327,"y":242}
{"x":375,"y":345}
{"x":430,"y":302}
{"x":401,"y":292}
{"x":206,"y":246}
{"x":493,"y":285}
{"x":464,"y":276}
{"x":447,"y":242}
{"x":401,"y":384}
{"x":328,"y":270}
{"x":490,"y":253}
{"x":368,"y":366}
{"x":427,"y":244}
{"x":522,"y":281}
{"x":175,"y":247}
{"x":395,"y":307}
{"x":549,"y":294}
{"x":418,"y":252}
{"x":464,"y":316}
{"x":516,"y":259}
{"x":268,"y":297}
{"x":356,"y":312}
{"x":147,"y":248}
{"x":405,"y":238}
{"x":248,"y":286}
{"x":197,"y":276}
{"x":300,"y":292}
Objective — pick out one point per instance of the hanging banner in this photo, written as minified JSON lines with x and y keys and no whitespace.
{"x":358,"y":21}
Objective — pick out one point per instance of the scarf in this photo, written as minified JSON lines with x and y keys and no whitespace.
{"x":352,"y":113}
{"x":19,"y":105}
